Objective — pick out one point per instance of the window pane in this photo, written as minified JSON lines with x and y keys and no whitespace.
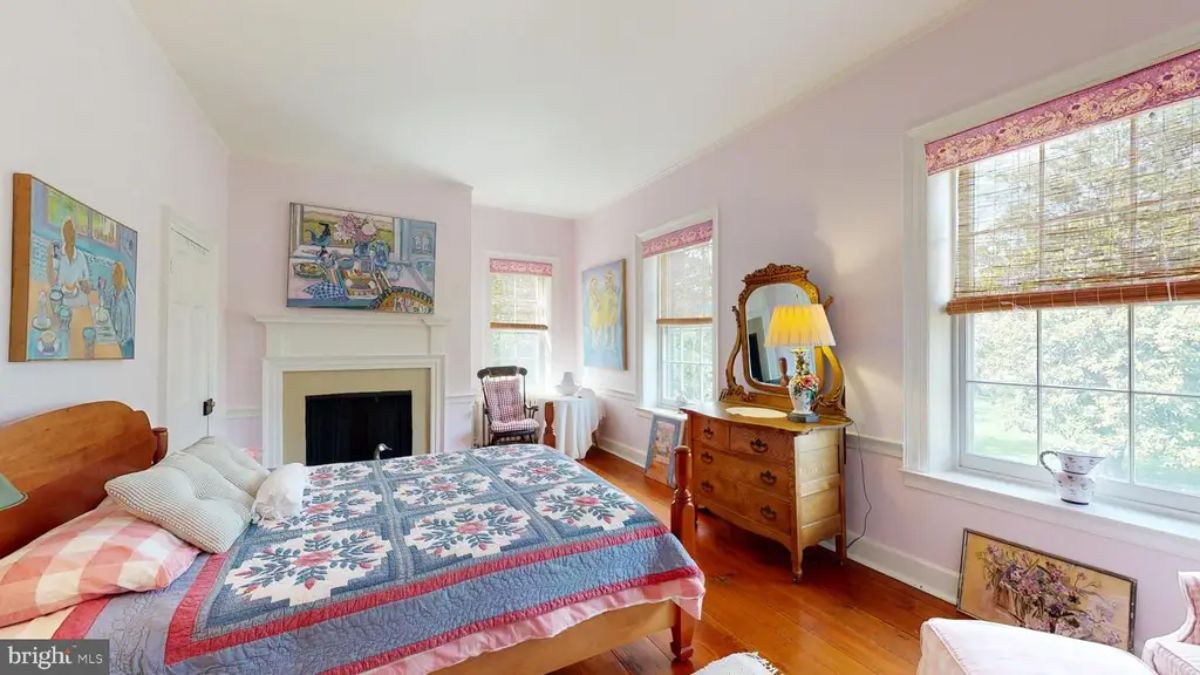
{"x":1004,"y":347}
{"x":1094,"y":422}
{"x":685,"y":283}
{"x":1167,"y":429}
{"x":1088,"y":171}
{"x":1004,"y":422}
{"x":687,"y":366}
{"x":519,"y":298}
{"x":519,"y":348}
{"x":1087,"y":347}
{"x":1167,"y":348}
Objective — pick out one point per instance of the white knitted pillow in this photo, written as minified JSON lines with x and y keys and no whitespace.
{"x":188,"y":498}
{"x":235,"y":465}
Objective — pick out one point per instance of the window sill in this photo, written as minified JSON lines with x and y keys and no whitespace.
{"x":647,"y":411}
{"x":1143,"y":526}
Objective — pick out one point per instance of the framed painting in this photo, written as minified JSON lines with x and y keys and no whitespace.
{"x":604,"y":316}
{"x":74,"y":279}
{"x":344,"y":259}
{"x":666,"y":433}
{"x":1009,"y":583}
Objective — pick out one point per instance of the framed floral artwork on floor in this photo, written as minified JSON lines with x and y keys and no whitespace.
{"x":1009,"y":583}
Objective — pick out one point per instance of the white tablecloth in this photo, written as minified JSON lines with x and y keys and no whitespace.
{"x":575,"y":419}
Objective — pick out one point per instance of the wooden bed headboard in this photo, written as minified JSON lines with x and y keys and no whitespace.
{"x":62,"y":459}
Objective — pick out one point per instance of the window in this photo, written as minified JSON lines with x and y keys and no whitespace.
{"x":1120,"y":381}
{"x":680,"y":362}
{"x":519,"y":325}
{"x":1076,"y":286}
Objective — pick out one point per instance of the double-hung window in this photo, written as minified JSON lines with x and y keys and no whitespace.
{"x":677,"y":269}
{"x":519,"y":325}
{"x":1076,"y":254}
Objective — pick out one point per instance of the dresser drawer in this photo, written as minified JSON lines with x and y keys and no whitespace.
{"x":710,"y":432}
{"x":750,"y":503}
{"x":768,"y":444}
{"x":763,"y":475}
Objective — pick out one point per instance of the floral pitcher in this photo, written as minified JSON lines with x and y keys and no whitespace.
{"x":1072,"y":481}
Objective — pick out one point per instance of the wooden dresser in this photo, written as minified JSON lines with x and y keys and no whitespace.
{"x":780,"y":479}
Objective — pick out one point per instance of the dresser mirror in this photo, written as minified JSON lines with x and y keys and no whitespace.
{"x":765,"y":369}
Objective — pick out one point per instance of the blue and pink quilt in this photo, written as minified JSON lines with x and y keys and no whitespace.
{"x":406,"y":565}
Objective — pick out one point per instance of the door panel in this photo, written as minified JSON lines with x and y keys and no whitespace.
{"x":191,"y":313}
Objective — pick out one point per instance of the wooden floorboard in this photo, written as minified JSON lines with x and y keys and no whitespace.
{"x":839,"y":619}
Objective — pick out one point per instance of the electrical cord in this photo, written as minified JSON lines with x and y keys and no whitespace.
{"x":862,"y":474}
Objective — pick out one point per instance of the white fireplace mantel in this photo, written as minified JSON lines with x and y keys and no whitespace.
{"x":316,"y":341}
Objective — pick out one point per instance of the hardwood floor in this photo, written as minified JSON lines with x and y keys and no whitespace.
{"x":839,"y":619}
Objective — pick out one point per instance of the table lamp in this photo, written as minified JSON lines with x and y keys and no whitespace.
{"x":9,"y":494}
{"x":800,"y":327}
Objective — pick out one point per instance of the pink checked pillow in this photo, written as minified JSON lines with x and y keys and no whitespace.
{"x":102,"y":552}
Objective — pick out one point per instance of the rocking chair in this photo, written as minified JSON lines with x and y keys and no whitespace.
{"x":507,"y":415}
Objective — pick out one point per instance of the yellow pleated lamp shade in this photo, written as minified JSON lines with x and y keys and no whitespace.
{"x":799,"y":326}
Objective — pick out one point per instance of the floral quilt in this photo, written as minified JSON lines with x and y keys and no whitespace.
{"x":390,"y":559}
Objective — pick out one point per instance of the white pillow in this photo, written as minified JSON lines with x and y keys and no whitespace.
{"x":281,"y":495}
{"x":235,"y":465}
{"x":188,"y":498}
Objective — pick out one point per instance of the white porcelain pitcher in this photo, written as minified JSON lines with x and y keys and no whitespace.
{"x":1072,"y":481}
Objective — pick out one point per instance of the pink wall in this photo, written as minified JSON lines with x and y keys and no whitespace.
{"x":259,"y":196}
{"x":820,"y":184}
{"x":513,"y":233}
{"x":95,"y":109}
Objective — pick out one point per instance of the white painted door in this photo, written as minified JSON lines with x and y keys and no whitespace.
{"x":191,"y":336}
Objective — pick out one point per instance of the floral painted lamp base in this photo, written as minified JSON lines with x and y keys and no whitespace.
{"x":802,"y":389}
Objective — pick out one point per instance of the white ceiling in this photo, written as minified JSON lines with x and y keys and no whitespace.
{"x":552,"y":106}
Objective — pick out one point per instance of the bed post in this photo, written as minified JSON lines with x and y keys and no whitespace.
{"x":683,"y":526}
{"x":160,"y":437}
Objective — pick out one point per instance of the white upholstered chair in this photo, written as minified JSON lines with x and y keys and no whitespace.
{"x":1179,"y":652}
{"x":954,"y":647}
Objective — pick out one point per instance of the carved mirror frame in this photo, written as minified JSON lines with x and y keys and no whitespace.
{"x":831,"y":400}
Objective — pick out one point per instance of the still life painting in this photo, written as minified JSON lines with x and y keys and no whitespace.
{"x":74,"y":278}
{"x":604,"y":316}
{"x":666,"y":434}
{"x":356,"y":260}
{"x":1008,"y":583}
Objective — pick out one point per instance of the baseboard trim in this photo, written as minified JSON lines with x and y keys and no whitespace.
{"x":628,"y":453}
{"x":921,"y":574}
{"x":940,"y":582}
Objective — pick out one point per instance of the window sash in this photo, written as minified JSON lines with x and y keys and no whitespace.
{"x":537,"y":364}
{"x":1105,"y":215}
{"x":671,"y":363}
{"x":1128,"y":489}
{"x":510,"y":304}
{"x":673,"y":262}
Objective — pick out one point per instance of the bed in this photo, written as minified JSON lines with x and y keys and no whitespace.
{"x":508,"y":559}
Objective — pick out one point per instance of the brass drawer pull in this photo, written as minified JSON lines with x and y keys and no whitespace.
{"x":768,"y":513}
{"x":767,"y":477}
{"x":708,"y":433}
{"x":706,"y":457}
{"x":706,"y":486}
{"x":758,"y":446}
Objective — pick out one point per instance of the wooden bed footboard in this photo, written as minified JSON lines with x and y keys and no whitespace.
{"x":683,"y":526}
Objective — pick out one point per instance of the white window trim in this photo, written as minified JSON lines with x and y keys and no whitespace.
{"x":486,"y":315}
{"x":646,"y":355}
{"x":932,"y":354}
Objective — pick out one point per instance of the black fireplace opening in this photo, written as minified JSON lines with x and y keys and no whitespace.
{"x":348,"y":427}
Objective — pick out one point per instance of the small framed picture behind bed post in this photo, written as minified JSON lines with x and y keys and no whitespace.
{"x":666,"y":433}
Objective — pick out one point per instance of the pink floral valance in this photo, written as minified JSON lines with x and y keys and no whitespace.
{"x":1166,"y":82}
{"x":503,"y":265}
{"x":673,"y":241}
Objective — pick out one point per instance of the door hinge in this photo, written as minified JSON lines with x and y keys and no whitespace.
{"x":208,"y":407}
